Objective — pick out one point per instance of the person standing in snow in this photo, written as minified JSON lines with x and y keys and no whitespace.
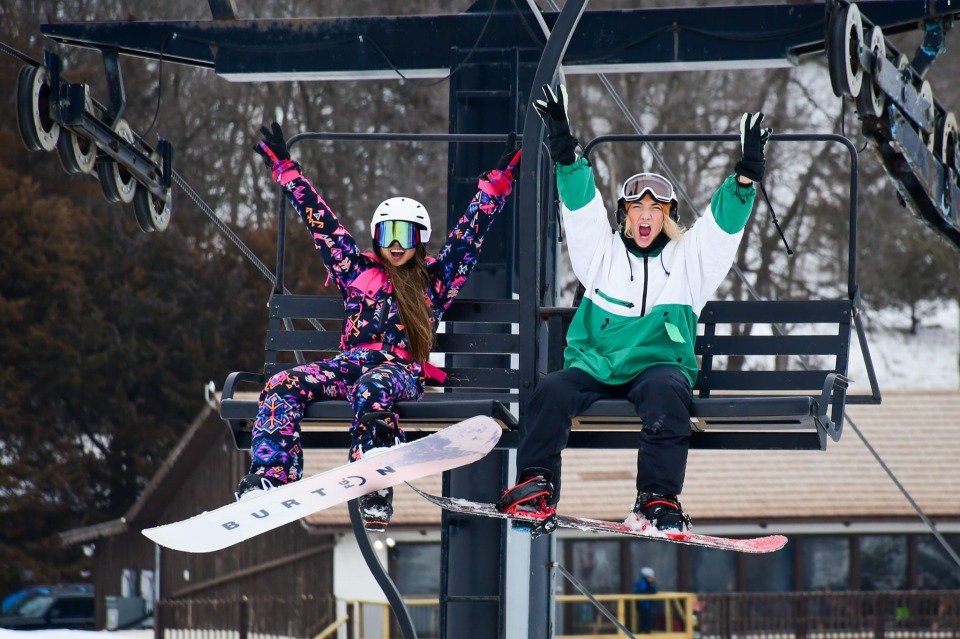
{"x":393,"y":299}
{"x":633,"y":334}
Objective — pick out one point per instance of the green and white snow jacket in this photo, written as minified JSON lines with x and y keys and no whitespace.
{"x":640,"y":310}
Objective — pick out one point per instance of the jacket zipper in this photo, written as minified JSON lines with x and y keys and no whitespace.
{"x":643,"y":300}
{"x":613,"y":300}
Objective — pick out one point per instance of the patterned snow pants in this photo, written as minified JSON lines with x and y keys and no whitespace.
{"x":369,"y":380}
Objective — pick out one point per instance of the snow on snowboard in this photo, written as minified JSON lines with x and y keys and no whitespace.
{"x":754,"y":545}
{"x":457,"y":445}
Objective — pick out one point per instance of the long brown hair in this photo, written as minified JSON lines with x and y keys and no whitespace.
{"x":415,"y":313}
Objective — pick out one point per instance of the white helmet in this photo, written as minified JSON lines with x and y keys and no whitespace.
{"x":405,"y":209}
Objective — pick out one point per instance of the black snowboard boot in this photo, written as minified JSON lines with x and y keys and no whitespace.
{"x":252,"y":485}
{"x":531,"y":499}
{"x":375,"y":433}
{"x":376,"y":509}
{"x":663,"y":511}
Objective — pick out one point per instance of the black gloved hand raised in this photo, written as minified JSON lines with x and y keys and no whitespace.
{"x":752,"y":140}
{"x":501,"y":178}
{"x":273,"y":146}
{"x":553,"y":112}
{"x":510,"y":160}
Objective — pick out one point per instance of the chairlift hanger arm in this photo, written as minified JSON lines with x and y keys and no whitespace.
{"x":223,"y":9}
{"x":681,"y":38}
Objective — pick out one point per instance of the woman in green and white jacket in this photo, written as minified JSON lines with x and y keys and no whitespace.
{"x":645,"y":283}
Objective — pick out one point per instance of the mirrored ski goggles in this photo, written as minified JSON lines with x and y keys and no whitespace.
{"x":642,"y":183}
{"x":406,"y":233}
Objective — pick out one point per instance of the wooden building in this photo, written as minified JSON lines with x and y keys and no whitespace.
{"x":294,"y":562}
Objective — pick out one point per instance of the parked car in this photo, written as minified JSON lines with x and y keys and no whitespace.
{"x":60,"y":609}
{"x":11,"y":601}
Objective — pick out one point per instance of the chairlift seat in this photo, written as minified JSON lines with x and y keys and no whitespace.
{"x":475,"y":327}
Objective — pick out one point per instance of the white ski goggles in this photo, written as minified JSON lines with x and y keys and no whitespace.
{"x":640,"y":184}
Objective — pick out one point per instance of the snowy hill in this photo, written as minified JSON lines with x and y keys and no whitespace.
{"x":928,"y":360}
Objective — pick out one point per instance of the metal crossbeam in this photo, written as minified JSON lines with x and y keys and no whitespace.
{"x":354,"y":48}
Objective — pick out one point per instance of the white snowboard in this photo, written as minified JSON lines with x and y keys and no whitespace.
{"x":457,"y":445}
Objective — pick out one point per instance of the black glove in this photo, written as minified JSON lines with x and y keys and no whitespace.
{"x":273,"y":146}
{"x":553,"y":112}
{"x":752,"y":140}
{"x":511,"y":155}
{"x":500,"y":179}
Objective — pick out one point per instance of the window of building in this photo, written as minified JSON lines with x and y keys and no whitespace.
{"x":712,"y":570}
{"x":935,"y":569}
{"x":416,"y":569}
{"x":883,"y":562}
{"x":826,"y":563}
{"x":769,"y":572}
{"x":596,"y":564}
{"x":416,"y":574}
{"x":663,"y":558}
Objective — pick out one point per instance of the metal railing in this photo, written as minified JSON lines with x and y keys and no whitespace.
{"x":668,"y":615}
{"x":791,"y":615}
{"x":243,"y":618}
{"x":851,"y":615}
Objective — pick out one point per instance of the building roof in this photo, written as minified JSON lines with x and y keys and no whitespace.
{"x":915,"y":433}
{"x":201,"y":433}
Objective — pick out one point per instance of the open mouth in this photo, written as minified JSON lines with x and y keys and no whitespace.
{"x":397,"y":253}
{"x":644,"y":230}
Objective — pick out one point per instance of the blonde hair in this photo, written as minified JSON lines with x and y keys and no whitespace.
{"x":673,"y":230}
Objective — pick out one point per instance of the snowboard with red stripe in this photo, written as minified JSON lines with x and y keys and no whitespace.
{"x":643,"y":530}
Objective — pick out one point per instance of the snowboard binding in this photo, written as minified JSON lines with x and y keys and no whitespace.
{"x":528,"y":503}
{"x":536,"y":527}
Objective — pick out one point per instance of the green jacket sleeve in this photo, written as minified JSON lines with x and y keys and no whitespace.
{"x":731,"y":205}
{"x":575,"y":183}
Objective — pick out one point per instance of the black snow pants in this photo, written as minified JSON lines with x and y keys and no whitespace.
{"x":661,"y":396}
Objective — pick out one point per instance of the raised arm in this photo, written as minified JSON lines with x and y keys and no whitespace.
{"x":461,"y":252}
{"x":584,"y":216}
{"x":337,"y":247}
{"x":715,"y":237}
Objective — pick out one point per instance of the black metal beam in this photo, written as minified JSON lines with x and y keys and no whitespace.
{"x":673,"y":38}
{"x":222,"y":9}
{"x":540,"y":585}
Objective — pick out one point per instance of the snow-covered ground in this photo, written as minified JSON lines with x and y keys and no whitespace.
{"x":928,"y":360}
{"x":75,"y":634}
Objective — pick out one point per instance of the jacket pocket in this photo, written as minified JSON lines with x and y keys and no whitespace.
{"x":370,"y":282}
{"x":613,"y":300}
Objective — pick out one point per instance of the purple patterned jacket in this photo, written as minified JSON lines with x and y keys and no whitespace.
{"x":369,"y":304}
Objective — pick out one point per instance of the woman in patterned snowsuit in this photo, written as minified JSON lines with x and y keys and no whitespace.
{"x":393,"y":300}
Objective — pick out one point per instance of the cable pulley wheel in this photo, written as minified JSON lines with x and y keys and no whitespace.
{"x":116,"y":182}
{"x":871,"y":100}
{"x":846,"y":76}
{"x":152,"y":212}
{"x":38,"y":130}
{"x":928,"y":135}
{"x":947,"y":146}
{"x":77,"y":153}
